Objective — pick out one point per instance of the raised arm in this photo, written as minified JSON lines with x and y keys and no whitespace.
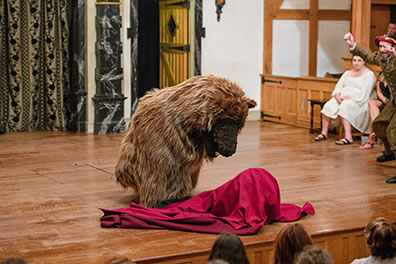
{"x":366,"y":54}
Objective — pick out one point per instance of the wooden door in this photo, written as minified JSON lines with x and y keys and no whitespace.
{"x":380,"y":17}
{"x":174,"y":45}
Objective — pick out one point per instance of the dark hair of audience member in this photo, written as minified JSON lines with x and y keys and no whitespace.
{"x":381,"y":238}
{"x":217,"y":261}
{"x":14,"y":261}
{"x":289,"y":242}
{"x":229,"y":247}
{"x":313,"y":255}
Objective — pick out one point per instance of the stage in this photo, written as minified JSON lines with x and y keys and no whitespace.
{"x":52,"y":184}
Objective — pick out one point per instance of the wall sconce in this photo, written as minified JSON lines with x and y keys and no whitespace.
{"x":219,"y":5}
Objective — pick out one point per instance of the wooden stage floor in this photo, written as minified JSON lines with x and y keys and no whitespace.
{"x":52,"y":184}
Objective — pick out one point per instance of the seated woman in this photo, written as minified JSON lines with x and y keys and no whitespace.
{"x":350,"y":101}
{"x":376,"y":106}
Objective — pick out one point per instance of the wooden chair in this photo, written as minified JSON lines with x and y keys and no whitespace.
{"x":313,"y":103}
{"x":355,"y":132}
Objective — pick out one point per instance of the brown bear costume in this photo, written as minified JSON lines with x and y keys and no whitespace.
{"x":173,"y":130}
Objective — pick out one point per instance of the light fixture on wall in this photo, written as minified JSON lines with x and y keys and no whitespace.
{"x":219,"y":5}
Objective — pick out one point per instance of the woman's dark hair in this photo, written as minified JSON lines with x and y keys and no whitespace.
{"x":354,"y":55}
{"x":230,"y":248}
{"x":289,"y":242}
{"x":381,"y":238}
{"x":14,"y":261}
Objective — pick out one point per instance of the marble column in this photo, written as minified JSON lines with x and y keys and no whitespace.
{"x":133,"y":34}
{"x":199,"y":33}
{"x":77,"y":96}
{"x":109,"y":100}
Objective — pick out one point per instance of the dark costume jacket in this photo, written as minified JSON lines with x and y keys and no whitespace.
{"x":385,"y":124}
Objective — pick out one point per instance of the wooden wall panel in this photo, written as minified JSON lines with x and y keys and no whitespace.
{"x":258,"y":255}
{"x":342,"y":247}
{"x":269,"y":99}
{"x":291,"y":104}
{"x":280,"y":99}
{"x":289,"y":100}
{"x":338,"y":249}
{"x":303,"y":109}
{"x":357,"y":247}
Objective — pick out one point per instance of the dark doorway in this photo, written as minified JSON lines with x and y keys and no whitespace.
{"x":393,"y":13}
{"x":148,"y":46}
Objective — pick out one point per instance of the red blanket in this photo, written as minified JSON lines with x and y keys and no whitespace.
{"x":240,"y":206}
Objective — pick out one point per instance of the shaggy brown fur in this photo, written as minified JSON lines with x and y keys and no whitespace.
{"x":173,"y":130}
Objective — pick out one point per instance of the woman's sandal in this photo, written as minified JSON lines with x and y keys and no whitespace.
{"x":320,"y":137}
{"x":344,"y":141}
{"x":367,"y":145}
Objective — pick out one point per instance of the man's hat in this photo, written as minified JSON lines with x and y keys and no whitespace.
{"x":387,"y":38}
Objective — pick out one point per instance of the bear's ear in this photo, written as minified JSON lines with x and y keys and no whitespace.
{"x":251,"y":103}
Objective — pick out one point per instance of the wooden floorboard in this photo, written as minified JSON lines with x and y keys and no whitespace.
{"x":52,"y":184}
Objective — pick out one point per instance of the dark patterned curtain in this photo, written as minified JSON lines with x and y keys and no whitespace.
{"x":34,"y":64}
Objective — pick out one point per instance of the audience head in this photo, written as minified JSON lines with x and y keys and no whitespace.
{"x":385,"y":43}
{"x":14,"y":261}
{"x":358,"y":62}
{"x":229,"y":247}
{"x":313,"y":255}
{"x":289,"y":242}
{"x":381,"y":238}
{"x":217,"y":261}
{"x":392,"y":28}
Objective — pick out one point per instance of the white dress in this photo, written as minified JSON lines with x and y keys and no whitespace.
{"x":374,"y":260}
{"x":355,"y":110}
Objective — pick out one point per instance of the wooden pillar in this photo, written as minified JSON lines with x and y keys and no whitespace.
{"x":267,"y":45}
{"x":270,"y":9}
{"x":361,"y":16}
{"x":313,"y":37}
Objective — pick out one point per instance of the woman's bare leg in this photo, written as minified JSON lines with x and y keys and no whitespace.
{"x":325,"y":124}
{"x":374,"y":111}
{"x":325,"y":128}
{"x":347,"y":129}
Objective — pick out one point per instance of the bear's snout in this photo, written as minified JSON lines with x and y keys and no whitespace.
{"x":225,"y":136}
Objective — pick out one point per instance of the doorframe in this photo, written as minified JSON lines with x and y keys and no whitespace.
{"x":130,"y":86}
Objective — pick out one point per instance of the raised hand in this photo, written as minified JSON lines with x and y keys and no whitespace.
{"x":349,"y":39}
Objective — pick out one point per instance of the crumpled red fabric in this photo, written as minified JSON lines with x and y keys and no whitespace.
{"x":240,"y":206}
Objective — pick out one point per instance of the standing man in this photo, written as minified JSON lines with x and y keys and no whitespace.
{"x":385,"y":124}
